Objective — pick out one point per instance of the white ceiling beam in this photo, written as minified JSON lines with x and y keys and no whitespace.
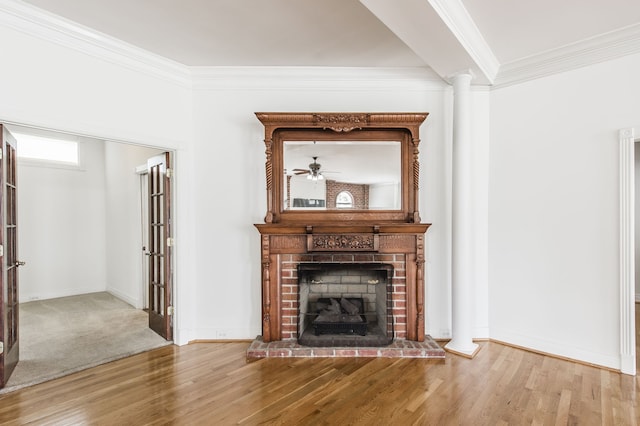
{"x":441,"y":33}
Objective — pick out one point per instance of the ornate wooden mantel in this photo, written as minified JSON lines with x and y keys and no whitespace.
{"x":290,"y":236}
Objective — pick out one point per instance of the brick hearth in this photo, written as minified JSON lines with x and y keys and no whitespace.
{"x":428,"y":349}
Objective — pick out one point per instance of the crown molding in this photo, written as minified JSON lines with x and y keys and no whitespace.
{"x":36,"y":22}
{"x":457,"y":19}
{"x":316,"y":78}
{"x":604,"y":47}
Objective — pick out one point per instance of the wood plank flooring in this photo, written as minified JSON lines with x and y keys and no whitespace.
{"x":213,"y":384}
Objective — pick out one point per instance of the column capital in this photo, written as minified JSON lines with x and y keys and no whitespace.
{"x":627,"y":133}
{"x":460,"y":76}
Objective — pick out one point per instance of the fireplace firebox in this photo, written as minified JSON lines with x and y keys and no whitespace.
{"x":345,"y":304}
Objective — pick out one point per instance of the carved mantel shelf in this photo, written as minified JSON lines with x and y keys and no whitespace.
{"x":334,"y":228}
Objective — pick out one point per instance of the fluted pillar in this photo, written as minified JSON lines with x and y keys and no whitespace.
{"x":462,"y":260}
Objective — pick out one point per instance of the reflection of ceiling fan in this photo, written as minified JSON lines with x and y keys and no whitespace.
{"x":313,"y":172}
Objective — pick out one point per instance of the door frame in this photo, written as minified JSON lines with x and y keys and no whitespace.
{"x":627,"y":140}
{"x":142,"y":172}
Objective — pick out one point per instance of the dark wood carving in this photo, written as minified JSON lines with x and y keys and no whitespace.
{"x":269,"y":173}
{"x":342,"y":122}
{"x":266,"y":288}
{"x":342,"y":242}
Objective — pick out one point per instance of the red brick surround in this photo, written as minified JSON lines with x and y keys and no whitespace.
{"x":289,"y":288}
{"x":360,"y":194}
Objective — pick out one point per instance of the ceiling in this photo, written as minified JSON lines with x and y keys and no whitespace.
{"x":441,"y":34}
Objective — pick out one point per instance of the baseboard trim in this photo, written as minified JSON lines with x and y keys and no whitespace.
{"x":220,"y":341}
{"x":464,"y":354}
{"x":550,"y":355}
{"x":443,"y":342}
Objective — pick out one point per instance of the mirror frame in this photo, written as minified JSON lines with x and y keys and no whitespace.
{"x":321,"y":127}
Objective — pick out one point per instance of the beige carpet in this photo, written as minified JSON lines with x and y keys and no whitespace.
{"x":68,"y":334}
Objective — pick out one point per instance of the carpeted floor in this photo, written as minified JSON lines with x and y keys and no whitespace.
{"x":68,"y":334}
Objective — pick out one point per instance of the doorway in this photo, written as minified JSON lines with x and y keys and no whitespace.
{"x":84,"y":222}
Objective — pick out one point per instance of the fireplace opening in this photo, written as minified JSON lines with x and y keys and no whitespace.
{"x":345,"y":304}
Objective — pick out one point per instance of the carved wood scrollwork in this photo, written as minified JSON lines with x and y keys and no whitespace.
{"x":420,"y":287}
{"x":343,"y":242}
{"x":266,"y":288}
{"x":341,"y":122}
{"x":269,"y":176}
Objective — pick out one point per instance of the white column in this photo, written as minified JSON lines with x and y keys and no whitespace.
{"x":462,"y":260}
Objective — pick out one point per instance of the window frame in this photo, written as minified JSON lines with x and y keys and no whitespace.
{"x":50,"y":163}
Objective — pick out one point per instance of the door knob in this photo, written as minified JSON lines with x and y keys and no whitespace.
{"x":20,"y":263}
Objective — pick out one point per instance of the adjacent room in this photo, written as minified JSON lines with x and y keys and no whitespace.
{"x":82,"y":228}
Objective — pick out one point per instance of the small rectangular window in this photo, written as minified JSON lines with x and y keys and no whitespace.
{"x":48,"y":150}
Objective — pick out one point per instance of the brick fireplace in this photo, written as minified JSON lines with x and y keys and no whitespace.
{"x":313,"y":254}
{"x":400,"y":248}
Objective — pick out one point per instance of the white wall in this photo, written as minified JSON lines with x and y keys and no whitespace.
{"x":123,"y":221}
{"x":553,"y":228}
{"x":301,"y":187}
{"x":381,"y":193}
{"x":61,"y":218}
{"x":48,"y":80}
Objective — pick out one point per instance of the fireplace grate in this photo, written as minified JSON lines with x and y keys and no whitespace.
{"x":345,"y":318}
{"x":339,"y":327}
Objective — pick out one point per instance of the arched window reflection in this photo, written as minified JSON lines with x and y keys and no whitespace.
{"x":344,"y":200}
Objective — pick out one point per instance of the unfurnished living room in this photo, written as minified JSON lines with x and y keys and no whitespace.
{"x":337,"y":212}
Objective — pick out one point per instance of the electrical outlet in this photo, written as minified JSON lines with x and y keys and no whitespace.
{"x":222,"y":334}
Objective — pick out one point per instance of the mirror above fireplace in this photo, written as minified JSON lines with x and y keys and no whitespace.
{"x":342,"y":175}
{"x":342,"y":167}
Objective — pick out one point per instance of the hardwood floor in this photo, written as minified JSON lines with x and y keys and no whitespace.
{"x":212,"y":384}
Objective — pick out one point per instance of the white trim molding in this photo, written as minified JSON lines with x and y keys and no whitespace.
{"x":611,"y":45}
{"x":317,"y":78}
{"x":39,"y":23}
{"x":627,"y":252}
